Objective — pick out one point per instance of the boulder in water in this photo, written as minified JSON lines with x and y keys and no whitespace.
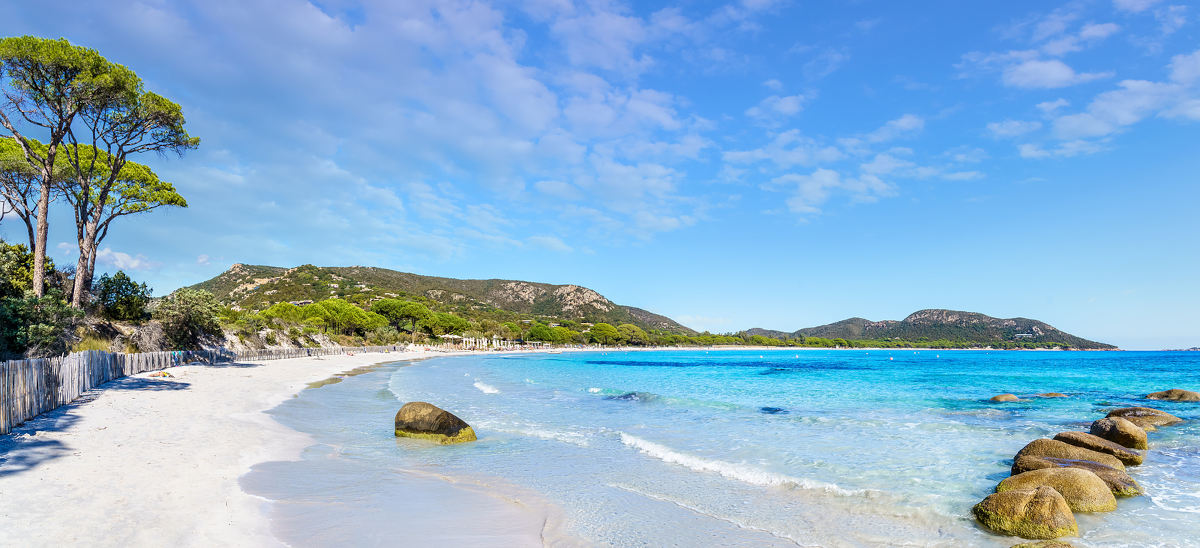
{"x":1083,"y":490}
{"x":1145,"y":417}
{"x":1175,"y":394}
{"x":1037,"y":513}
{"x":428,"y":422}
{"x":1044,"y":544}
{"x":1062,"y":450}
{"x":1005,"y":398}
{"x":1053,"y":395}
{"x":1127,"y":456}
{"x":1118,"y":481}
{"x":1120,"y":430}
{"x":772,"y":410}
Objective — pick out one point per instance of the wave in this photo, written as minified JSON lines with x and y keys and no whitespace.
{"x":538,"y":431}
{"x":486,"y":388}
{"x":738,"y":472}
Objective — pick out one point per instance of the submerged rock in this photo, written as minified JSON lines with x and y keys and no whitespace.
{"x":1145,"y":417}
{"x":1053,"y":395}
{"x":772,"y":410}
{"x":1062,"y":450}
{"x":1037,"y":513}
{"x":633,"y":396}
{"x":1083,"y":490}
{"x":1005,"y":398}
{"x":1118,"y":481}
{"x":428,"y":422}
{"x":1044,"y":544}
{"x":1127,"y":456}
{"x":1120,"y":430}
{"x":1175,"y":394}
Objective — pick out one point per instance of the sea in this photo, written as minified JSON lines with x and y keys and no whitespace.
{"x":731,"y":447}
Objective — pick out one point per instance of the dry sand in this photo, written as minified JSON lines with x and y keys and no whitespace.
{"x":149,"y":461}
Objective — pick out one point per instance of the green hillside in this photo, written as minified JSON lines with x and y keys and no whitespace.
{"x":254,"y":287}
{"x":952,"y":326}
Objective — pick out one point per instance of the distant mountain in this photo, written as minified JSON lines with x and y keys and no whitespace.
{"x":255,"y":287}
{"x":939,"y":324}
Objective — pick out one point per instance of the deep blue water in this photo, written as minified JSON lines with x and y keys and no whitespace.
{"x":786,"y":447}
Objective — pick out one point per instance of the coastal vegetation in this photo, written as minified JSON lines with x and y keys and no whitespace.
{"x":71,"y":124}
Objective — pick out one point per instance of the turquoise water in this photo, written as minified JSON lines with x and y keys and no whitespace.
{"x":735,"y":448}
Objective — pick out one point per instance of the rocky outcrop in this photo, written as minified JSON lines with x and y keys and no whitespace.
{"x":428,"y":422}
{"x":1005,"y":398}
{"x":1044,"y":544}
{"x":1175,"y":394}
{"x":1120,"y":430}
{"x":1062,"y":450}
{"x":1127,"y":456}
{"x":1118,"y":481}
{"x":1145,"y":417}
{"x":1083,"y":490}
{"x":1037,"y":513}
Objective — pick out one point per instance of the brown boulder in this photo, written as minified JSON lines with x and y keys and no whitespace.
{"x":1120,"y":430}
{"x":1063,"y":450}
{"x":1037,"y":513}
{"x":1127,"y":456}
{"x":1175,"y":394}
{"x":1083,"y":490}
{"x":1005,"y":398}
{"x":1118,"y":481}
{"x":1145,"y":416}
{"x":1053,"y":395}
{"x":426,"y":421}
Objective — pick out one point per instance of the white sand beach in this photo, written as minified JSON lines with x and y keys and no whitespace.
{"x":152,"y":461}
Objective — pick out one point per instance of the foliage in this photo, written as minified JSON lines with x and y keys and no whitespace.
{"x":37,"y":326}
{"x":400,"y":312}
{"x":603,"y":333}
{"x":121,"y":298}
{"x":632,"y":334}
{"x":442,"y":323}
{"x":188,"y":316}
{"x":16,"y":270}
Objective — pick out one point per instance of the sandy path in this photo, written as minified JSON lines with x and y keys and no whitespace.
{"x":155,"y":462}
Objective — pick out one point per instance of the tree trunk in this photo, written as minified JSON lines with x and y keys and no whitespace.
{"x":43,"y":232}
{"x":87,"y":248}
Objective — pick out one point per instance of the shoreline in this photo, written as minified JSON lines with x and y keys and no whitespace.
{"x":153,"y":461}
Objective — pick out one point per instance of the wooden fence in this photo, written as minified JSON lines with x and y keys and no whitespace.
{"x":29,"y":388}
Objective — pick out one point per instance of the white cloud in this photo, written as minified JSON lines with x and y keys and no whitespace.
{"x":1050,"y":107}
{"x":774,"y":107}
{"x":202,"y":259}
{"x":811,"y":191}
{"x":1134,"y":5}
{"x":1046,"y":74}
{"x":1063,"y":150}
{"x":1171,"y":18}
{"x":787,"y":149}
{"x":1013,"y":128}
{"x":1089,"y":35}
{"x":903,"y":126}
{"x":124,"y":261}
{"x":550,"y":242}
{"x":1131,"y":102}
{"x":773,"y":84}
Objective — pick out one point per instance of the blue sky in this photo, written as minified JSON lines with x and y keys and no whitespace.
{"x":756,"y":163}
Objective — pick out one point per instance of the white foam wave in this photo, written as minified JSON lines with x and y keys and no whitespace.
{"x":734,"y":471}
{"x":486,"y":388}
{"x":540,"y":432}
{"x":595,"y":390}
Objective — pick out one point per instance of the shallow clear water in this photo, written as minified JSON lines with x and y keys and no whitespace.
{"x":696,"y":448}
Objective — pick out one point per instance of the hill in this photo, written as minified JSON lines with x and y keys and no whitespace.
{"x":256,"y":287}
{"x":938,"y":324}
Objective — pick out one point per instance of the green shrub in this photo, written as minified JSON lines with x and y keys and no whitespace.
{"x":121,"y":298}
{"x":188,"y":316}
